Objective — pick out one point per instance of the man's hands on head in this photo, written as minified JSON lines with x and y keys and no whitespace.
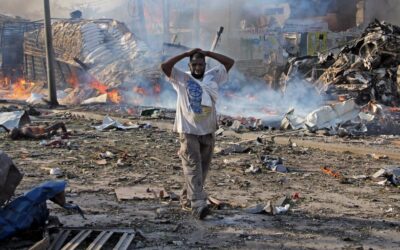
{"x":196,"y":50}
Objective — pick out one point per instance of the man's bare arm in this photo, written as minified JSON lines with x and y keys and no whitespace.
{"x":170,"y":63}
{"x":224,"y":60}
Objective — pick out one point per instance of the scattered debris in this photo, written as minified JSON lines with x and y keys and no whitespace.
{"x":391,"y":173}
{"x":377,"y":157}
{"x":14,"y":119}
{"x":136,"y":192}
{"x":57,"y":172}
{"x":274,"y":163}
{"x":235,"y":148}
{"x":109,"y":123}
{"x":253,"y":169}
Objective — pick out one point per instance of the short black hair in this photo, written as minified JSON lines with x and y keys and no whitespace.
{"x":197,"y":55}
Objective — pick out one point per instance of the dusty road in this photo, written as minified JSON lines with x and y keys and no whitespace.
{"x":331,"y":213}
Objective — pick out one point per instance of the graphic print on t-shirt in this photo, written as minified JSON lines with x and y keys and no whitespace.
{"x":194,"y":92}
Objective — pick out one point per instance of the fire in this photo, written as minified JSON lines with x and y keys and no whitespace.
{"x":140,"y":90}
{"x":394,"y":109}
{"x":99,"y":86}
{"x":157,"y":89}
{"x":113,"y":95}
{"x":21,"y":89}
{"x":73,"y":80}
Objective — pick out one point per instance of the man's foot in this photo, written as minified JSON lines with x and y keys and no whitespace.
{"x":200,"y":212}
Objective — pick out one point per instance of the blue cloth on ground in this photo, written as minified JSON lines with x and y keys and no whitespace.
{"x":29,"y":209}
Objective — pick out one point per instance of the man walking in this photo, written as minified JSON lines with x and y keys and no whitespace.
{"x":196,"y":119}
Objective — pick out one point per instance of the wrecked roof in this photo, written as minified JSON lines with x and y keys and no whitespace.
{"x":107,"y":49}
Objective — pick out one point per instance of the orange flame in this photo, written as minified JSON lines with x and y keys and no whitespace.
{"x":394,"y":109}
{"x":21,"y":89}
{"x":157,"y":89}
{"x":99,"y":86}
{"x":139,"y":90}
{"x":114,"y":96}
{"x":73,"y":80}
{"x":331,"y":172}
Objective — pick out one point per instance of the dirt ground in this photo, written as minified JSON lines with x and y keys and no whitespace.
{"x":331,"y":213}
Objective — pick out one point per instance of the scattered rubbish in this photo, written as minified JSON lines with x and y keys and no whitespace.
{"x":109,"y":123}
{"x":14,"y":119}
{"x":256,"y":209}
{"x":360,"y":177}
{"x":35,"y":99}
{"x":392,"y":173}
{"x":281,"y":206}
{"x":107,"y":155}
{"x":323,"y":117}
{"x":237,"y":126}
{"x":120,"y":163}
{"x":389,"y":210}
{"x":219,"y":132}
{"x":177,"y":243}
{"x":101,"y":162}
{"x":235,"y":148}
{"x":282,"y":210}
{"x":136,"y":192}
{"x":274,"y":163}
{"x":253,"y":169}
{"x":153,"y":113}
{"x":331,"y":172}
{"x":57,"y":172}
{"x":378,"y":157}
{"x":55,"y":143}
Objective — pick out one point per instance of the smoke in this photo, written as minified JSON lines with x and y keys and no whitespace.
{"x":385,"y":10}
{"x":251,"y":97}
{"x":33,"y":9}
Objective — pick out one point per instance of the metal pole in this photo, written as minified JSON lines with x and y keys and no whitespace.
{"x":49,"y":55}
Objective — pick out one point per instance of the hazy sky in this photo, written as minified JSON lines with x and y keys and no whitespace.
{"x":33,"y":9}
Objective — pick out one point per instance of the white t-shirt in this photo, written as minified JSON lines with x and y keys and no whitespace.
{"x":195,"y":107}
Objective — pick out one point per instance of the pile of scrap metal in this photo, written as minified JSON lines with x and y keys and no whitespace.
{"x":28,"y":211}
{"x":367,"y":69}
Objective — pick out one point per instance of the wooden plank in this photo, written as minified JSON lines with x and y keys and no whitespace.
{"x":100,"y":240}
{"x":124,"y":241}
{"x":59,"y":241}
{"x":78,"y":239}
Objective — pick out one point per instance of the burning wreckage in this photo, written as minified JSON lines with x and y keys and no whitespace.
{"x":364,"y":75}
{"x":97,"y":61}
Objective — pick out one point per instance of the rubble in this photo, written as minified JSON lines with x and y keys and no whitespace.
{"x":109,"y":123}
{"x":391,"y":173}
{"x":367,"y":68}
{"x":14,"y":119}
{"x":274,"y":163}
